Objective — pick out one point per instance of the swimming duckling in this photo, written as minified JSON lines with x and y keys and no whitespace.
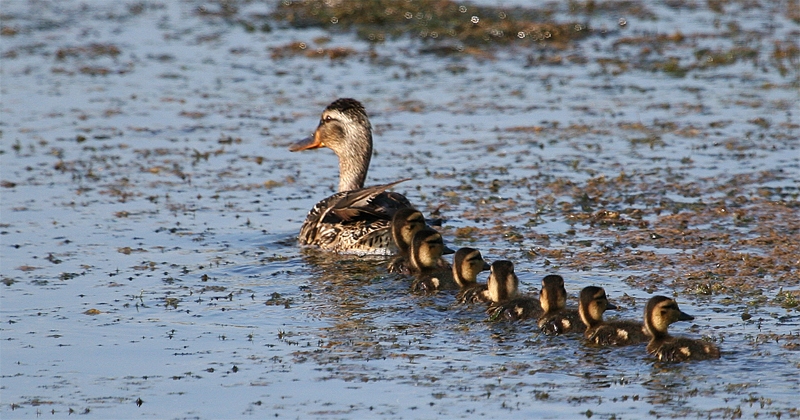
{"x":658,"y":314}
{"x":552,"y":296}
{"x":356,"y":219}
{"x":593,"y":302}
{"x":405,"y":223}
{"x":467,"y":264}
{"x":426,"y":261}
{"x":558,"y":319}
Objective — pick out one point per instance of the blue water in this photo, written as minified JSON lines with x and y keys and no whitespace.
{"x":150,"y":213}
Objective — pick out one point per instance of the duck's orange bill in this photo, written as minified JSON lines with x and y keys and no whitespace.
{"x":311,"y":142}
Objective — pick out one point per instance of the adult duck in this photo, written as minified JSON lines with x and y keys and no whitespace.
{"x":356,"y":219}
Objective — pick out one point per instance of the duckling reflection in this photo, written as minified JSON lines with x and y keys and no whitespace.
{"x":659,"y":313}
{"x":427,"y":265}
{"x":593,"y":302}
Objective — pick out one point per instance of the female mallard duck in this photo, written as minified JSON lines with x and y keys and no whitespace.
{"x":593,"y":302}
{"x":467,"y":264}
{"x":405,"y":223}
{"x":356,"y":219}
{"x":552,"y":297}
{"x":431,"y":272}
{"x":658,"y":314}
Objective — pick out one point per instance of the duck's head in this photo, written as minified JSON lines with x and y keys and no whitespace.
{"x":553,"y":296}
{"x":660,"y":312}
{"x":345,"y":129}
{"x":467,"y":264}
{"x":592,"y":303}
{"x":503,"y":283}
{"x":405,"y":223}
{"x":427,"y":248}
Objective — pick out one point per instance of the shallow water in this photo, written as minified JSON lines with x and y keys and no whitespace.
{"x":150,"y":207}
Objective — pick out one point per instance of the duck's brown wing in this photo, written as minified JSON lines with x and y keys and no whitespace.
{"x":354,"y":221}
{"x":367,"y":202}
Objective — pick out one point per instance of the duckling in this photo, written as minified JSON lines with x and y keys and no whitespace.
{"x":503,"y":283}
{"x":593,"y":302}
{"x":552,"y":297}
{"x":427,"y":248}
{"x":405,"y":223}
{"x":557,"y":318}
{"x":467,"y":264}
{"x":658,"y":314}
{"x":356,"y":219}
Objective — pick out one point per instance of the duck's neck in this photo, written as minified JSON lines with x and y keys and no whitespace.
{"x":460,"y":277}
{"x":354,"y":161}
{"x":656,"y":332}
{"x":587,"y":318}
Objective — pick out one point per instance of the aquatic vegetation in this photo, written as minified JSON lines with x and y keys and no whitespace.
{"x":437,"y":21}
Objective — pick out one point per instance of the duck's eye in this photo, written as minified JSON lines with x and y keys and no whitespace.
{"x":328,"y":118}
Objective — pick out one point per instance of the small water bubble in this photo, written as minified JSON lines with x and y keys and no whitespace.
{"x":462,"y":9}
{"x":434,"y":35}
{"x":622,"y":22}
{"x":578,"y":27}
{"x":334,"y":20}
{"x":520,"y":34}
{"x":408,"y":15}
{"x":475,"y":19}
{"x":501,"y":15}
{"x":287,"y":2}
{"x":302,"y":45}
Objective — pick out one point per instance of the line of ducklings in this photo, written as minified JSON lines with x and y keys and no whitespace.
{"x":421,"y":249}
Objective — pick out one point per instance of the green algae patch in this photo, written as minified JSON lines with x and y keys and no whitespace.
{"x":432,"y":20}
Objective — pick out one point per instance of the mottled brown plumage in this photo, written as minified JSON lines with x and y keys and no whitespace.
{"x":356,"y":219}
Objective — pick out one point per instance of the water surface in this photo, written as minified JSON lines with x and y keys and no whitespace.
{"x":150,"y":208}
